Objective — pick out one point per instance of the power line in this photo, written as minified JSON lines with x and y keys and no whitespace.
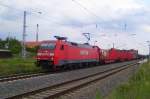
{"x":34,"y":12}
{"x":86,"y":9}
{"x":49,"y":19}
{"x":20,"y":10}
{"x":89,"y":11}
{"x":9,"y":7}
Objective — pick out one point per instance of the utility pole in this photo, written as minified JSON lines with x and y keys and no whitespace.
{"x":24,"y":36}
{"x":37,"y":33}
{"x":7,"y":44}
{"x":113,"y":45}
{"x":8,"y":39}
{"x":149,"y":47}
{"x":149,"y":51}
{"x":125,"y":27}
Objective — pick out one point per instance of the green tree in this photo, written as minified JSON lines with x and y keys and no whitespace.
{"x":14,"y":45}
{"x":2,"y":43}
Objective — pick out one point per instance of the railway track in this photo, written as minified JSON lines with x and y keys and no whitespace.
{"x":58,"y":90}
{"x":25,"y":76}
{"x":20,"y":76}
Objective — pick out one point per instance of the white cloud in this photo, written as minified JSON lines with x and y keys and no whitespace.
{"x":145,"y":28}
{"x":67,"y":18}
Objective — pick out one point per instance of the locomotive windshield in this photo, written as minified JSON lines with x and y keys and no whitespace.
{"x":50,"y":46}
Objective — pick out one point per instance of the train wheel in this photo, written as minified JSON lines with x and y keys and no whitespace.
{"x":56,"y":68}
{"x":81,"y":65}
{"x":75,"y":66}
{"x":64,"y":67}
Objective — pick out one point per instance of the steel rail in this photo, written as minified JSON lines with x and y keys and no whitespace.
{"x":20,"y":76}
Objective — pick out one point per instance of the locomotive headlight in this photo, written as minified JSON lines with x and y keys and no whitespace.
{"x":51,"y":54}
{"x":39,"y":54}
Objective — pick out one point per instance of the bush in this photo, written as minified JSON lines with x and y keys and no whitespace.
{"x":14,"y":45}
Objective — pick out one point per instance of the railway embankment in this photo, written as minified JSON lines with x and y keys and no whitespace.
{"x":138,"y":86}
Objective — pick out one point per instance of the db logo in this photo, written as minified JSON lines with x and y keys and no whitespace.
{"x":84,"y":52}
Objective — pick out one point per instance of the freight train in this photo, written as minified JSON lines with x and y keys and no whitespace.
{"x":60,"y":53}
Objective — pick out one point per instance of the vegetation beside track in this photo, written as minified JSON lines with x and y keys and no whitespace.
{"x":138,"y":87}
{"x":18,"y":66}
{"x":98,"y":95}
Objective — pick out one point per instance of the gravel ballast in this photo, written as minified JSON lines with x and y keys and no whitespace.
{"x":102,"y":87}
{"x":8,"y":89}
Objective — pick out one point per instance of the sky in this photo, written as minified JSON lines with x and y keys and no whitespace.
{"x":124,"y":23}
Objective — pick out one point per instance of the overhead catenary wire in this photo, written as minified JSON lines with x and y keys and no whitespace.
{"x":20,"y":10}
{"x":86,"y":9}
{"x":90,"y":12}
{"x":7,"y":6}
{"x":51,"y":19}
{"x":31,"y":11}
{"x":93,"y":14}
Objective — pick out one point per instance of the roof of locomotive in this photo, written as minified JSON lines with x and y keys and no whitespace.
{"x":85,"y":45}
{"x":123,"y":50}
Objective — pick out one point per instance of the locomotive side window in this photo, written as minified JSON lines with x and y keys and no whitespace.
{"x":62,"y":47}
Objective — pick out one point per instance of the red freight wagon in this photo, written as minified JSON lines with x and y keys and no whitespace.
{"x":122,"y":55}
{"x":129,"y":55}
{"x":113,"y":55}
{"x":60,"y":52}
{"x":109,"y":56}
{"x":125,"y":55}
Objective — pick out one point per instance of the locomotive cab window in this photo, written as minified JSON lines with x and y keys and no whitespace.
{"x":62,"y":47}
{"x":50,"y":46}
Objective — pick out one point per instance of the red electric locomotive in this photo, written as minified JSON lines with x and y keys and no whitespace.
{"x":59,"y":53}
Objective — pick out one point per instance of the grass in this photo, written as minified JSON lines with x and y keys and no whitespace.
{"x":98,"y":95}
{"x":17,"y":66}
{"x":138,"y":86}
